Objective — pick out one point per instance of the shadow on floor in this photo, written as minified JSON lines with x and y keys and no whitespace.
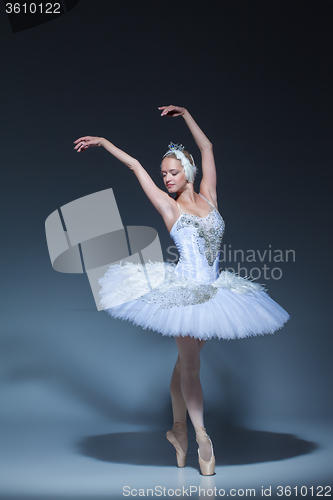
{"x":232,"y":446}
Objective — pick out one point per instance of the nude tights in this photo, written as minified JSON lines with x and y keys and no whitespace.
{"x":186,"y":390}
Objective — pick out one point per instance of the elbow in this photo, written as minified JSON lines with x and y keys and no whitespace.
{"x":134,"y":165}
{"x":208,"y":146}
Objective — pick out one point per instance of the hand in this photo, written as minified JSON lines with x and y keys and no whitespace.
{"x":172,"y":111}
{"x":87,"y":142}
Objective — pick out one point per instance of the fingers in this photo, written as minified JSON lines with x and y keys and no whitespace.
{"x":81,"y":145}
{"x":166,"y":109}
{"x":85,"y":138}
{"x":171,"y":110}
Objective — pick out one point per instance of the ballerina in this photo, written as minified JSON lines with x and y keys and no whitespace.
{"x":194,"y":302}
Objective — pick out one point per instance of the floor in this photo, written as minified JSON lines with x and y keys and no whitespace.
{"x":103,"y":460}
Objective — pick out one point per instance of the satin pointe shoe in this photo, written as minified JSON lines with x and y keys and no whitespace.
{"x":207,"y":467}
{"x":178,"y":432}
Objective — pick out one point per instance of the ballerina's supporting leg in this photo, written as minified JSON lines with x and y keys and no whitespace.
{"x":179,"y":408}
{"x":189,"y":359}
{"x":178,"y":434}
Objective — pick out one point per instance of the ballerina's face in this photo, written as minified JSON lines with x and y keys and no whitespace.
{"x":173,"y":174}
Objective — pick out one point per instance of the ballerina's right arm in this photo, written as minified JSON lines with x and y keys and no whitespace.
{"x":160,"y":199}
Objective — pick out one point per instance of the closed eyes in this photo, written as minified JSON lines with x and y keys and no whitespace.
{"x":163,"y":174}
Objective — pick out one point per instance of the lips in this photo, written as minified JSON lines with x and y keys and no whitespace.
{"x":169,"y":185}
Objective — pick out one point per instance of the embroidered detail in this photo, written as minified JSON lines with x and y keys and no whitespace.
{"x":188,"y":294}
{"x":208,"y":235}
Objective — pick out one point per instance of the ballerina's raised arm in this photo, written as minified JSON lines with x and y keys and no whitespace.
{"x":174,"y":176}
{"x":209,"y":177}
{"x":159,"y":198}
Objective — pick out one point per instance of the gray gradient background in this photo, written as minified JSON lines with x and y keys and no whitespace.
{"x":257,"y":78}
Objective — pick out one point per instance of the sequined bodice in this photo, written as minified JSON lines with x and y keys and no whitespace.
{"x":198,"y":241}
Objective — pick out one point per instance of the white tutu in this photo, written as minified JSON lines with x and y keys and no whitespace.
{"x":229,"y":308}
{"x":191,"y":298}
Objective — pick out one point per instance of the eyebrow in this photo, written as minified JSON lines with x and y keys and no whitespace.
{"x":172,"y":170}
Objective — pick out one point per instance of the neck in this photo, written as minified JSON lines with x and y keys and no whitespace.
{"x":187,"y":195}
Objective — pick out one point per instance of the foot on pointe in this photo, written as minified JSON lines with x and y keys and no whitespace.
{"x":205,"y":453}
{"x":178,"y":437}
{"x":204,"y":443}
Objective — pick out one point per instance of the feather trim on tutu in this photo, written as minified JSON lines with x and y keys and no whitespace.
{"x":128,"y":281}
{"x":237,"y":284}
{"x":231,"y":307}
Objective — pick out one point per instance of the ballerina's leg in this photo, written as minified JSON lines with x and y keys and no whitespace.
{"x":189,"y":358}
{"x":179,"y":408}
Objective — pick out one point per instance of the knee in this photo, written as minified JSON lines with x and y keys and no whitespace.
{"x":190,"y":369}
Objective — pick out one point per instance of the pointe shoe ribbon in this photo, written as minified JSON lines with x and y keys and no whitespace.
{"x":179,"y":429}
{"x":207,"y":467}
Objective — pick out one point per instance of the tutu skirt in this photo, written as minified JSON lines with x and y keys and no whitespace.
{"x":230,"y":307}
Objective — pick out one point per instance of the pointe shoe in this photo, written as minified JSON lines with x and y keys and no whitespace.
{"x":207,"y":467}
{"x":177,"y":430}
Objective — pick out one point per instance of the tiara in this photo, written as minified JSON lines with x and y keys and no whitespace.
{"x":175,"y":147}
{"x":189,"y":168}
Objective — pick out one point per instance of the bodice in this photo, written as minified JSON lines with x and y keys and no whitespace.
{"x":198,"y":241}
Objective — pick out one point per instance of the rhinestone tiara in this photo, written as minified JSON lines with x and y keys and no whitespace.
{"x":175,"y":147}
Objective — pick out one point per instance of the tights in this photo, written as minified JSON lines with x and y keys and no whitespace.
{"x":186,"y":391}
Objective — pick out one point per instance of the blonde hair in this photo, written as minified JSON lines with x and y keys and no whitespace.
{"x":186,"y":159}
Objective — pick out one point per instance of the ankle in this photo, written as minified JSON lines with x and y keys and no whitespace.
{"x":200,"y":432}
{"x":180,"y":427}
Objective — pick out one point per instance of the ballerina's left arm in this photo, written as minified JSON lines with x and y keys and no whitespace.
{"x":209,"y":178}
